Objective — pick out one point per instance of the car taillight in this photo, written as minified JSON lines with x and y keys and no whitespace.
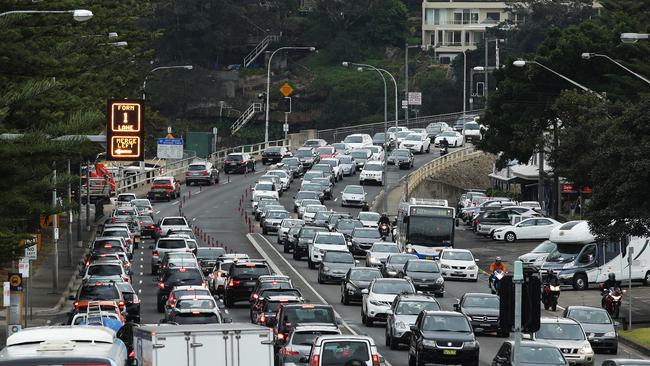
{"x":314,"y":360}
{"x":263,"y":319}
{"x":76,"y":304}
{"x":121,"y":304}
{"x":126,"y":279}
{"x":155,"y":253}
{"x":136,"y":299}
{"x":132,"y":354}
{"x":280,"y":336}
{"x":242,"y":162}
{"x":255,"y":296}
{"x":205,"y":172}
{"x":226,"y":161}
{"x":286,"y":351}
{"x":161,"y":285}
{"x":233,"y":283}
{"x":375,"y":360}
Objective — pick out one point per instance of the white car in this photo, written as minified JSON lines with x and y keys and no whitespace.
{"x":336,"y":167}
{"x":342,"y":148}
{"x":454,"y":138}
{"x":472,"y":131}
{"x":311,"y":210}
{"x":416,"y":142}
{"x":348,"y":165}
{"x":372,"y":171}
{"x":264,"y":189}
{"x":379,"y":252}
{"x":377,"y":153}
{"x":369,"y":218}
{"x":144,"y":207}
{"x":458,"y":264}
{"x":533,"y":228}
{"x":285,"y":179}
{"x":378,"y":298}
{"x":397,"y":129}
{"x":353,"y":195}
{"x":277,"y":183}
{"x":400,"y":136}
{"x":358,"y":140}
{"x":172,"y":223}
{"x":324,"y":241}
{"x":303,"y":206}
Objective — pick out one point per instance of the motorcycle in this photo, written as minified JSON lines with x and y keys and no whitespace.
{"x":443,"y":151}
{"x":550,"y":294}
{"x":495,"y":280}
{"x":612,"y":299}
{"x":384,"y":230}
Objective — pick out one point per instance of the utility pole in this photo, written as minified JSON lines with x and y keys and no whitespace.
{"x":69,"y":236}
{"x":464,"y":84}
{"x":630,"y":259}
{"x":79,"y":239}
{"x":406,"y":85}
{"x":518,"y":280}
{"x":88,"y":196}
{"x":55,"y":234}
{"x":540,"y":179}
{"x":485,"y":93}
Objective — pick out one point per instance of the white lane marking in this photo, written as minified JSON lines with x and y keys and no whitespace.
{"x":193,"y":218}
{"x":157,"y":212}
{"x":175,"y":203}
{"x":140,"y":282}
{"x":141,"y":259}
{"x":197,"y":192}
{"x":336,"y":199}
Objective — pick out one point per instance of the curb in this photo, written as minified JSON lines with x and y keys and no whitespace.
{"x":635,"y":346}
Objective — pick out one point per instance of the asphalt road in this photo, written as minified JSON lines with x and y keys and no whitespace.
{"x":215,"y":210}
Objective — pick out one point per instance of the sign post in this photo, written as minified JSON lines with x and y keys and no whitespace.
{"x":170,"y":148}
{"x":125,"y":130}
{"x":415,"y":98}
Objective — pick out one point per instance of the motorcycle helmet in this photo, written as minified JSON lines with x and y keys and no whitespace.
{"x":550,"y":273}
{"x":497,"y":260}
{"x":384,"y":215}
{"x":612,"y":276}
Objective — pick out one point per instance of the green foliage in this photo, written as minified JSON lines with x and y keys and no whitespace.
{"x":439,"y":94}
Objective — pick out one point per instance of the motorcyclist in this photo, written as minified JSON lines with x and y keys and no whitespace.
{"x":384,"y":219}
{"x":444,"y":144}
{"x":551,"y":278}
{"x":495,"y":266}
{"x":609,"y":283}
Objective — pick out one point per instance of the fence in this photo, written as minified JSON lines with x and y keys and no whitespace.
{"x":138,"y":180}
{"x":254,"y":149}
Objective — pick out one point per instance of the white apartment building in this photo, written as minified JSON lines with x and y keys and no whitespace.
{"x":452,"y":26}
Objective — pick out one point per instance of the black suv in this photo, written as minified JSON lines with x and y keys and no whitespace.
{"x":425,"y":275}
{"x":290,"y":315}
{"x":177,"y":277}
{"x":357,"y":279}
{"x":207,"y":257}
{"x":483,"y":310}
{"x":443,"y":337}
{"x":132,"y":302}
{"x":242,"y":279}
{"x":269,"y":305}
{"x":305,"y":237}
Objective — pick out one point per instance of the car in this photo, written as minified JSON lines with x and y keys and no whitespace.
{"x":263,"y":204}
{"x":107,"y":270}
{"x":97,"y":291}
{"x":435,"y":128}
{"x":177,"y":259}
{"x":472,"y":131}
{"x":261,"y":213}
{"x":334,"y":266}
{"x":324,"y":241}
{"x":527,"y":229}
{"x":373,"y":171}
{"x":537,"y":256}
{"x":274,"y":154}
{"x":346,"y":226}
{"x":294,"y":315}
{"x":416,"y":142}
{"x":307,"y":157}
{"x":353,"y":195}
{"x":360,"y":156}
{"x":143,"y":206}
{"x":283,"y":176}
{"x":238,"y":163}
{"x":566,"y":334}
{"x":310,"y":212}
{"x":385,"y":140}
{"x":299,"y":344}
{"x":342,"y":148}
{"x":312,"y":174}
{"x":454,"y":139}
{"x":266,"y":189}
{"x":174,"y":277}
{"x":321,"y":218}
{"x":267,"y":282}
{"x":358,"y":140}
{"x":326,"y":187}
{"x":303,"y":203}
{"x":172,"y":223}
{"x":597,"y":324}
{"x":625,"y":362}
{"x":164,"y":188}
{"x":314,"y":187}
{"x":293,"y":164}
{"x":164,"y":245}
{"x":425,"y":275}
{"x":207,"y":257}
{"x":443,"y":337}
{"x":314,"y":143}
{"x":268,"y":307}
{"x":377,"y":153}
{"x":125,"y":198}
{"x":483,"y":311}
{"x":325,"y":152}
{"x":348,"y":165}
{"x":531,"y":353}
{"x":458,"y":264}
{"x":369,"y":218}
{"x":403,"y":158}
{"x":326,"y":169}
{"x":334,"y":217}
{"x":356,"y":280}
{"x":194,"y":316}
{"x":273,"y":219}
{"x":148,"y":227}
{"x":362,"y":239}
{"x":403,"y":314}
{"x":219,"y":275}
{"x":379,"y":252}
{"x":336,"y":167}
{"x":305,"y":238}
{"x":109,"y":319}
{"x":291,"y":241}
{"x":277,"y":183}
{"x":256,"y":305}
{"x":181,"y":291}
{"x":395,"y":263}
{"x":343,"y":350}
{"x":283,"y":230}
{"x":241,"y":280}
{"x":121,"y":232}
{"x":460,"y":122}
{"x":378,"y":298}
{"x":201,"y":172}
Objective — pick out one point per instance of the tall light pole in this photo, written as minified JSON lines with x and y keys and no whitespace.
{"x":464,"y":84}
{"x":268,"y":87}
{"x":144,"y":83}
{"x":385,"y":173}
{"x":80,"y":15}
{"x":589,"y":56}
{"x":522,"y":63}
{"x":406,"y":79}
{"x":633,"y":37}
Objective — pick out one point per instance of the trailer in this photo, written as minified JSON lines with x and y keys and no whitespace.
{"x":234,"y":344}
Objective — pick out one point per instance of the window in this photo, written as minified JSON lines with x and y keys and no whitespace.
{"x":436,"y":17}
{"x":453,"y":38}
{"x":429,"y":16}
{"x":466,"y":16}
{"x":493,"y":17}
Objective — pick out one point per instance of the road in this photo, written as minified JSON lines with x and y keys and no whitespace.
{"x":215,"y":211}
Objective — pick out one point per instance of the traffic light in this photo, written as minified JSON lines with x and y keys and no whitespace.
{"x":530,"y":306}
{"x":506,"y":304}
{"x":285,"y":105}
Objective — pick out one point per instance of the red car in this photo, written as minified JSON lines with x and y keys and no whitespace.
{"x":164,"y":188}
{"x":326,"y":152}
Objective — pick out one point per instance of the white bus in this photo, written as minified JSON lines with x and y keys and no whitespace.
{"x":425,"y":227}
{"x":581,"y":259}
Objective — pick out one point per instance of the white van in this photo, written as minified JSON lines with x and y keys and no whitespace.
{"x":358,"y":140}
{"x":580,"y":259}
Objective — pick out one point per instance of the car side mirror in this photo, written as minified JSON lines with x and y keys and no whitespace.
{"x":365,"y":291}
{"x":476,"y":260}
{"x":457,"y":307}
{"x":151,"y":246}
{"x":71,"y":297}
{"x":413,"y":328}
{"x":303,"y":359}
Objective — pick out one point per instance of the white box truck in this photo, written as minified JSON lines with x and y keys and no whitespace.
{"x":234,"y":344}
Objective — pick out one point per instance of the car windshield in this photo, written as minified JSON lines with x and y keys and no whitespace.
{"x":147,"y":220}
{"x":196,"y":318}
{"x":312,"y":143}
{"x":273,"y":149}
{"x":375,"y":149}
{"x":309,"y":202}
{"x":404,"y":153}
{"x":448,"y":134}
{"x":384,"y":248}
{"x":366,"y":233}
{"x":457,"y":256}
{"x":364,"y":275}
{"x":423,"y":266}
{"x":325,"y":150}
{"x":174,"y":222}
{"x":446,"y":323}
{"x":197,"y":167}
{"x":353,"y":190}
{"x":348,"y":224}
{"x":117,"y":233}
{"x":369,"y":216}
{"x":413,"y":137}
{"x":373,"y":167}
{"x":392,"y":287}
{"x":250,"y":269}
{"x":345,"y":159}
{"x":415,"y":307}
{"x":291,"y":223}
{"x":402,"y":134}
{"x":212,"y":253}
{"x":322,"y":215}
{"x":308,"y":314}
{"x":171,"y":244}
{"x":314,"y":187}
{"x":315,"y":208}
{"x":360,"y":154}
{"x":540,"y":355}
{"x":235,"y":157}
{"x":330,"y":239}
{"x":310,"y":232}
{"x":105,"y":270}
{"x":338,"y":257}
{"x":195,"y":304}
{"x":306,"y":194}
{"x":307,"y":338}
{"x":291,"y":161}
{"x":558,"y":331}
{"x":491,"y":302}
{"x":183,"y":274}
{"x":141,"y":203}
{"x":353,"y":139}
{"x":313,"y":174}
{"x":340,"y":353}
{"x":193,"y":292}
{"x":306,"y":153}
{"x":264,"y":187}
{"x":277,"y":215}
{"x":330,"y":162}
{"x":401,"y":259}
{"x":162,"y":182}
{"x":565,"y":252}
{"x":471,"y":126}
{"x":590,"y":316}
{"x":273,"y":306}
{"x":379,"y":136}
{"x":98,"y":293}
{"x":545,"y":247}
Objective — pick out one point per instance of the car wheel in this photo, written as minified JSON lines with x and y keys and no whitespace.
{"x":411,"y":360}
{"x":580,"y":282}
{"x":428,"y":149}
{"x":510,"y":237}
{"x":369,"y":321}
{"x":296,"y":256}
{"x":346,"y":299}
{"x":421,"y":149}
{"x":319,"y":280}
{"x":646,"y":279}
{"x":285,"y":248}
{"x":387,"y":337}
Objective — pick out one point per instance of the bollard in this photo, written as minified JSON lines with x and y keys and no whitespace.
{"x":200,"y":188}
{"x":228,"y":178}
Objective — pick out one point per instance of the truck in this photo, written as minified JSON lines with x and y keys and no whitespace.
{"x":228,"y":344}
{"x":101,"y":184}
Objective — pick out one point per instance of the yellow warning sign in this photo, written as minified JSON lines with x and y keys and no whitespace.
{"x":16,"y":281}
{"x":286,"y":89}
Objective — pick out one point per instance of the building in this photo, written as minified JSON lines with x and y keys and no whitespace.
{"x":453,"y":26}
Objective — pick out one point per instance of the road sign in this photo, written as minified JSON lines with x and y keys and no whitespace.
{"x":285,"y":127}
{"x":286,"y":89}
{"x":125,"y":130}
{"x":15,"y":281}
{"x":23,"y":267}
{"x":415,"y":98}
{"x":31,"y":252}
{"x":405,"y":104}
{"x":6,"y":294}
{"x":170,"y":148}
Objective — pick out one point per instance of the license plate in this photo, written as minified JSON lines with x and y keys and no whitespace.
{"x":458,"y":273}
{"x":449,"y":352}
{"x":428,"y":257}
{"x":485,"y":324}
{"x":233,"y":163}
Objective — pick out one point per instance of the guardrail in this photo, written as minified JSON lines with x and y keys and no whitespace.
{"x":138,"y":180}
{"x":254,"y":149}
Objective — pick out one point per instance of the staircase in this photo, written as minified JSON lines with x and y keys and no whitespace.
{"x":260,"y":48}
{"x":245,"y":117}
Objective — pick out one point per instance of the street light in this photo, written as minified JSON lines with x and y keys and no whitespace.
{"x":381,"y":74}
{"x":406,"y":77}
{"x":589,"y":56}
{"x":144,"y":83}
{"x":633,"y":37}
{"x":522,"y":63}
{"x":80,"y":15}
{"x":268,"y":87}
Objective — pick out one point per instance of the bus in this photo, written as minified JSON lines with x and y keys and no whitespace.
{"x":425,"y":227}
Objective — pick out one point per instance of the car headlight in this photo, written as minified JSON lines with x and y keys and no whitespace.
{"x":440,"y":280}
{"x":471,"y":268}
{"x":429,"y":343}
{"x":498,"y":230}
{"x":321,"y":251}
{"x":470,"y":344}
{"x":392,"y":272}
{"x":326,"y":269}
{"x":586,"y":349}
{"x":374,"y":260}
{"x":610,"y":334}
{"x":445,"y":266}
{"x":375,"y":302}
{"x":400,"y":325}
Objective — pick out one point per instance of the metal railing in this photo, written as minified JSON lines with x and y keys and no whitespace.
{"x":255,"y":150}
{"x":139,"y":180}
